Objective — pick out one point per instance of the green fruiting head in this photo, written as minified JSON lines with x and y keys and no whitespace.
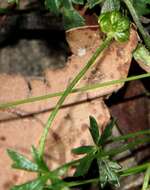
{"x":115,"y":25}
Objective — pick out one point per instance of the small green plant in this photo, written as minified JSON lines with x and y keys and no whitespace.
{"x":115,"y":24}
{"x":109,"y":171}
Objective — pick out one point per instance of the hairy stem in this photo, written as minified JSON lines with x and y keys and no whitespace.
{"x":130,"y":135}
{"x":105,"y":44}
{"x":145,"y":35}
{"x":122,"y":173}
{"x":134,"y":170}
{"x":76,"y":90}
{"x":128,"y":146}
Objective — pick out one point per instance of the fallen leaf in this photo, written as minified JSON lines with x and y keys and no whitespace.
{"x":21,"y":127}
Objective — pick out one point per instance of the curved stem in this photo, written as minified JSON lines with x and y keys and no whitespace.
{"x":76,"y":90}
{"x":105,"y":44}
{"x":134,"y":170}
{"x":145,"y":35}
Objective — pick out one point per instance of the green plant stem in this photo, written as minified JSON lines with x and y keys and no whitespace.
{"x":77,"y":90}
{"x":145,"y":35}
{"x":122,"y":173}
{"x":134,"y":170}
{"x":125,"y":147}
{"x":104,"y":44}
{"x":77,"y":183}
{"x":146,"y":179}
{"x":128,"y":136}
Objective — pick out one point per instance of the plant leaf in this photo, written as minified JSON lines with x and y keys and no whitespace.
{"x":127,"y":146}
{"x":94,"y":130}
{"x":114,"y":165}
{"x":53,"y":6}
{"x":107,"y":132}
{"x":84,"y":165}
{"x":92,"y":3}
{"x":141,"y":7}
{"x":59,"y":185}
{"x":115,"y":25}
{"x":108,"y":172}
{"x":80,"y":2}
{"x":67,"y":4}
{"x":72,"y":18}
{"x":37,"y":184}
{"x":21,"y":162}
{"x":110,"y":5}
{"x":122,"y":36}
{"x":38,"y":160}
{"x":142,"y":54}
{"x":83,"y":150}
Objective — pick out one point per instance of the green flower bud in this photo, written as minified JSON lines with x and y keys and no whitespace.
{"x":115,"y":25}
{"x":142,"y":54}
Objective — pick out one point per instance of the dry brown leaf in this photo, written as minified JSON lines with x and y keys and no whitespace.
{"x":22,"y":126}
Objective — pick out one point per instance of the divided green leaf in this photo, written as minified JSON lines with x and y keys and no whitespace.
{"x":115,"y":25}
{"x":142,"y":7}
{"x":58,"y":185}
{"x":72,"y":18}
{"x":108,"y":172}
{"x":107,"y":132}
{"x":21,"y":162}
{"x":38,"y":160}
{"x":37,"y":184}
{"x":84,"y":165}
{"x":142,"y":54}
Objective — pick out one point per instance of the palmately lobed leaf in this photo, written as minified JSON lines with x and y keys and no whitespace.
{"x":108,"y":172}
{"x":58,"y":185}
{"x":142,"y":54}
{"x":114,"y":165}
{"x":39,"y":160}
{"x":84,"y":165}
{"x":115,"y":25}
{"x":37,"y":184}
{"x":21,"y":162}
{"x":107,"y":132}
{"x":142,"y":7}
{"x":72,"y":19}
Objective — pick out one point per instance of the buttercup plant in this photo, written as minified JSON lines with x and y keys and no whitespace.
{"x":116,"y":27}
{"x":109,"y":170}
